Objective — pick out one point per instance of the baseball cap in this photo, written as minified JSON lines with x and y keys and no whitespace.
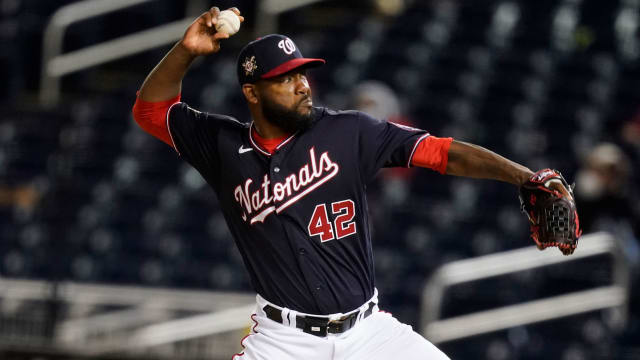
{"x":270,"y":56}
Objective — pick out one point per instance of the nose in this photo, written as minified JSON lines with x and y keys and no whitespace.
{"x":302,"y":85}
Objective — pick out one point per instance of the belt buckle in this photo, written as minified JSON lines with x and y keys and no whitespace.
{"x":340,"y":325}
{"x":315,"y":326}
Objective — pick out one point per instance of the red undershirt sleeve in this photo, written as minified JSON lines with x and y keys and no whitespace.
{"x":432,"y":153}
{"x":152,"y":117}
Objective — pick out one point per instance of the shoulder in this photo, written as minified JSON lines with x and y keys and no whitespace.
{"x":181,"y":110}
{"x":342,"y":115}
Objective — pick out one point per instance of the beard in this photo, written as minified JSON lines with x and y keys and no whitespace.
{"x":287,"y":119}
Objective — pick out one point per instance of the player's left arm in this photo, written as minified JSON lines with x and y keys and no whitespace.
{"x":545,"y":196}
{"x":387,"y":144}
{"x":469,"y":160}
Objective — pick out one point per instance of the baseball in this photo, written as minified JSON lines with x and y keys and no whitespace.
{"x":228,"y":22}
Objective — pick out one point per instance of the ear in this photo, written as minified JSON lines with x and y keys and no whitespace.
{"x":250,"y":93}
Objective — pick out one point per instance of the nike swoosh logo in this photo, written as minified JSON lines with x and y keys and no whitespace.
{"x":243,"y":150}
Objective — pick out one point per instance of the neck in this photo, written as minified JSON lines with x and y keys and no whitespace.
{"x":266,"y":129}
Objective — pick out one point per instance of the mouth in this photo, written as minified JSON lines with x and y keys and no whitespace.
{"x":306,"y":102}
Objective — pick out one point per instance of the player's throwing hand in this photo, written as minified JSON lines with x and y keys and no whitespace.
{"x":201,"y":37}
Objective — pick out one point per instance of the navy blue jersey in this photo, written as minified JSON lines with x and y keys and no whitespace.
{"x":299,"y":215}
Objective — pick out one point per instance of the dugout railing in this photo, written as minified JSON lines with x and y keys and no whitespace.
{"x":614,"y":296}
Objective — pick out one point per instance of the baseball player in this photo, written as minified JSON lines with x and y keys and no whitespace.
{"x":291,"y":183}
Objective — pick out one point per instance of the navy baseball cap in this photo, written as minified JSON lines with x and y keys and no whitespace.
{"x":270,"y":56}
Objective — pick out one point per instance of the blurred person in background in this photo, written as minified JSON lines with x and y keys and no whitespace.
{"x":378,"y":100}
{"x":630,"y":134}
{"x":604,"y":196}
{"x":23,"y":197}
{"x":381,"y":102}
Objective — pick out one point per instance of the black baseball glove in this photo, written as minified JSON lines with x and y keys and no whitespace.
{"x":548,"y":201}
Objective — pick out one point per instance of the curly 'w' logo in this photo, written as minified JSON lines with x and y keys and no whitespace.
{"x":287,"y":46}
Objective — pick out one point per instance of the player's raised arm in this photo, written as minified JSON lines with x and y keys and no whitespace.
{"x":161,"y":89}
{"x":201,"y":38}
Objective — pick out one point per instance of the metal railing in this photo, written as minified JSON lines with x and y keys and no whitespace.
{"x":441,"y":330}
{"x":105,"y":319}
{"x":55,"y":64}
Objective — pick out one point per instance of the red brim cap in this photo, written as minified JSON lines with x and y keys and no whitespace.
{"x":290,"y":65}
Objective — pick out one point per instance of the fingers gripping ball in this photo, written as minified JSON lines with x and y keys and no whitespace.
{"x":228,"y":22}
{"x":547,"y":200}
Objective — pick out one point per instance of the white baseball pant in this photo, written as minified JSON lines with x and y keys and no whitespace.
{"x":377,"y":337}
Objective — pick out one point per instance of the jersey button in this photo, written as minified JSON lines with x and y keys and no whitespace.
{"x":276,"y":169}
{"x":302,"y":251}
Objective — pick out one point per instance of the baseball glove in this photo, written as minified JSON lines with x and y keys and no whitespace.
{"x":547,"y":200}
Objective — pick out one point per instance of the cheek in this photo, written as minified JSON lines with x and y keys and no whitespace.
{"x":286,"y":96}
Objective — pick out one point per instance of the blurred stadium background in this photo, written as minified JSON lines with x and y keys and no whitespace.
{"x":112,"y":248}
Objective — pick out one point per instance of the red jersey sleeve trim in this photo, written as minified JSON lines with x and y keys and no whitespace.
{"x":432,"y":152}
{"x":152,"y":117}
{"x":415,"y":146}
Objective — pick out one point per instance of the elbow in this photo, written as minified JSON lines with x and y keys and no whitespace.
{"x":151,"y":117}
{"x":143,"y":116}
{"x":453,"y":167}
{"x":137,"y":113}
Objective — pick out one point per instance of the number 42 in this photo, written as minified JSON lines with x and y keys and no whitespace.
{"x":342,"y":226}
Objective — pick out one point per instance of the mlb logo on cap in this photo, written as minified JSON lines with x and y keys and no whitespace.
{"x":270,"y":56}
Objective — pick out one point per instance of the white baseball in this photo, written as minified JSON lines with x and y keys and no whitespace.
{"x":228,"y":22}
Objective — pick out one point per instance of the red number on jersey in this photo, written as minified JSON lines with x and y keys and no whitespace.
{"x":320,"y":225}
{"x":345,"y":225}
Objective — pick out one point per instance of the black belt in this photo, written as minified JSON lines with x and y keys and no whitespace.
{"x":320,"y":326}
